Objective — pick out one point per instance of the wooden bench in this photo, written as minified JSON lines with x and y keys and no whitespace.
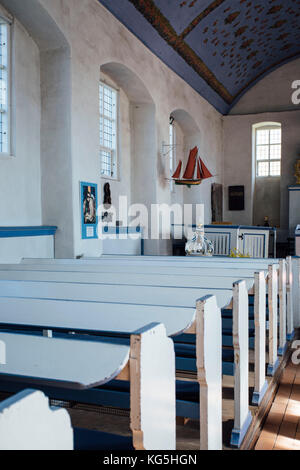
{"x":95,"y":317}
{"x":151,"y":268}
{"x":137,"y":264}
{"x":174,"y":297}
{"x":28,"y":423}
{"x":291,"y":284}
{"x":295,"y":261}
{"x":255,"y":285}
{"x":74,"y":368}
{"x":178,"y":270}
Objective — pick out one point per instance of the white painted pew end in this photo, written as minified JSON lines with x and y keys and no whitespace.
{"x":209,"y":367}
{"x":260,"y":382}
{"x":153,"y":395}
{"x":28,"y":423}
{"x":258,"y":396}
{"x":242,"y":414}
{"x":272,"y":368}
{"x":283,"y":272}
{"x":273,"y":288}
{"x":290,"y":301}
{"x":2,"y":353}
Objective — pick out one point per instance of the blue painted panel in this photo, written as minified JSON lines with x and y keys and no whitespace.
{"x":99,"y":396}
{"x":88,"y":225}
{"x":120,"y":230}
{"x":237,"y":435}
{"x":187,"y":409}
{"x":16,"y":232}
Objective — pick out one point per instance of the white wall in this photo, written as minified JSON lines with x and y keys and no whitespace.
{"x":180,"y":152}
{"x":95,"y":38}
{"x":272,"y":93}
{"x":82,"y":36}
{"x":12,"y":250}
{"x":20,"y":202}
{"x":56,"y":161}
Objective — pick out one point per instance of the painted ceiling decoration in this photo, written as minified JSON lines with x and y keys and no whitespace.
{"x":221,"y":47}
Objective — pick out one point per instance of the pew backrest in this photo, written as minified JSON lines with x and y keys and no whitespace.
{"x":122,"y":294}
{"x":241,"y":273}
{"x":182,"y":259}
{"x":28,"y":423}
{"x":92,"y":317}
{"x":146,"y":279}
{"x":147,"y":360}
{"x":159,"y":261}
{"x":64,"y":361}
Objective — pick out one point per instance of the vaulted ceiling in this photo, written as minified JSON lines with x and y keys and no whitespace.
{"x":220,"y":47}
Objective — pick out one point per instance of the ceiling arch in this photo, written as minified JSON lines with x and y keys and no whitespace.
{"x":220,"y":47}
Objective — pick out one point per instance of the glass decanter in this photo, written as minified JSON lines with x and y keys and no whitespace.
{"x":199,"y":245}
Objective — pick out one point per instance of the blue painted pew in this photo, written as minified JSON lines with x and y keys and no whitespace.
{"x":62,"y":316}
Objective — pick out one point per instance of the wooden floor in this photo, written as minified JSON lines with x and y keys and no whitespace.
{"x":281,"y":430}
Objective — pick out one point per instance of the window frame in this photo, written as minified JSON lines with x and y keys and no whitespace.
{"x":267,"y":127}
{"x":9,"y":24}
{"x":172,"y":153}
{"x":113,"y":152}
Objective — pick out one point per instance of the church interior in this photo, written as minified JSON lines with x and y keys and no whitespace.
{"x":150,"y":181}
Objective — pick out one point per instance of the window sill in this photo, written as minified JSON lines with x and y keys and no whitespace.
{"x":269,"y":177}
{"x":6,"y":156}
{"x":110,"y":178}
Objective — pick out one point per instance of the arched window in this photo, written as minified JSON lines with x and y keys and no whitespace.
{"x":267,"y":149}
{"x":108,"y":100}
{"x":4,"y":86}
{"x":172,"y":149}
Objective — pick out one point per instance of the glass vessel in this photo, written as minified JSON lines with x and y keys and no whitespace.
{"x":199,"y":245}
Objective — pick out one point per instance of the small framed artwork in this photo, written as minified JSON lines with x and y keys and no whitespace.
{"x":89,"y":204}
{"x":236,"y":198}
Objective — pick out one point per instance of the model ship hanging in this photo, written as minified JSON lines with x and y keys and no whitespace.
{"x":195,"y":171}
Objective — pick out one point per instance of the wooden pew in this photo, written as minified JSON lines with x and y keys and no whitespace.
{"x":134,"y":263}
{"x":66,"y":367}
{"x":175,"y":259}
{"x":296,"y":290}
{"x":284,"y":286}
{"x":168,"y":270}
{"x":285,"y":283}
{"x":255,"y":285}
{"x":290,"y":308}
{"x":28,"y":423}
{"x":94,"y":317}
{"x":292,"y":304}
{"x":166,"y":296}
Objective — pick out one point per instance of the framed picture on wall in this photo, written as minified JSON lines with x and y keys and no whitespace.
{"x":89,"y":204}
{"x":236,"y":198}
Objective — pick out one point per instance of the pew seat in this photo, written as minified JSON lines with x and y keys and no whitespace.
{"x":79,"y":366}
